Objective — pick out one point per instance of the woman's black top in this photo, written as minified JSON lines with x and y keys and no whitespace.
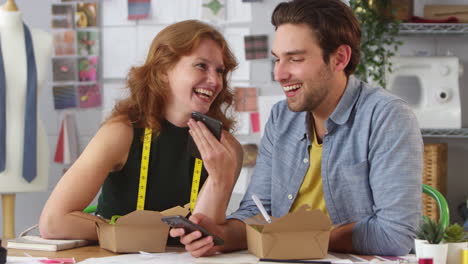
{"x":169,"y":176}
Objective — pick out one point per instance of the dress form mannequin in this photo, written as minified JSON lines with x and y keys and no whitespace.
{"x":14,"y":59}
{"x":10,"y":5}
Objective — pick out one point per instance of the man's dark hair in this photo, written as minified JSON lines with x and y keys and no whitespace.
{"x":332,"y":21}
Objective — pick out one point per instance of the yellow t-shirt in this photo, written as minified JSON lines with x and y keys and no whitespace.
{"x":311,"y":191}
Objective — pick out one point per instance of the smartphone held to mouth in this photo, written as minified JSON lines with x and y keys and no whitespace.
{"x":215,"y":127}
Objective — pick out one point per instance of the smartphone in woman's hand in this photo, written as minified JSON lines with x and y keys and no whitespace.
{"x":179,"y":221}
{"x":215,"y":127}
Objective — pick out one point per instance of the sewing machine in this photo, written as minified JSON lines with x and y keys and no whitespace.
{"x":430,"y":86}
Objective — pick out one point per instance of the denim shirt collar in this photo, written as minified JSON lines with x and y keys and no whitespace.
{"x":346,"y":104}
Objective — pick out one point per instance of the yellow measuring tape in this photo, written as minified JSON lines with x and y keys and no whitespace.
{"x":145,"y":154}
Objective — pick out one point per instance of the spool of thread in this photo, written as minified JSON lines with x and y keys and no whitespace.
{"x":425,"y":261}
{"x":464,"y":256}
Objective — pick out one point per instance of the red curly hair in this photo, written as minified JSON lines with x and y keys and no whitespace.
{"x":148,"y":92}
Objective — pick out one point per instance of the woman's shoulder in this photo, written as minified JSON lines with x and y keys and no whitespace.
{"x":114,"y":137}
{"x":116,"y":131}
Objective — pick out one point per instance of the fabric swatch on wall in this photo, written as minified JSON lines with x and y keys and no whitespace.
{"x":87,"y":43}
{"x":89,"y":96}
{"x":64,"y":42}
{"x":62,"y":16}
{"x":64,"y":97}
{"x":86,"y":15}
{"x":256,"y":47}
{"x":245,"y":99}
{"x":255,"y":119}
{"x":87,"y":69}
{"x":138,"y":9}
{"x":64,"y":69}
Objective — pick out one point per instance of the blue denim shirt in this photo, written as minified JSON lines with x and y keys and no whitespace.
{"x":371,"y":167}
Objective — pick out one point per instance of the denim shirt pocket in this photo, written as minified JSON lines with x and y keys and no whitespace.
{"x":357,"y":189}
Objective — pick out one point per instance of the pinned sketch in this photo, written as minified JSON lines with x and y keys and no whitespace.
{"x":235,"y":38}
{"x":112,"y":93}
{"x":87,"y":43}
{"x":115,"y":64}
{"x":115,"y":13}
{"x":89,"y":96}
{"x":256,"y":47}
{"x":86,"y":15}
{"x":265,"y":103}
{"x":64,"y":43}
{"x":138,"y":9}
{"x":87,"y":69}
{"x":243,"y":124}
{"x":64,"y":69}
{"x":64,"y":97}
{"x":62,"y":16}
{"x":168,"y":12}
{"x":213,"y":10}
{"x":238,"y":11}
{"x":145,"y":35}
{"x":245,"y":99}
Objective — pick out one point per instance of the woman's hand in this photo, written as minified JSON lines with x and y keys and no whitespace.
{"x":194,"y":243}
{"x":222,"y":159}
{"x":232,"y":232}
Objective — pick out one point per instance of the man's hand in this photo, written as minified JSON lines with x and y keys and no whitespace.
{"x":193,"y":244}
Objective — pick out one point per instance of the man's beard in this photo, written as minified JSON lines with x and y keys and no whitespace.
{"x":313,"y":95}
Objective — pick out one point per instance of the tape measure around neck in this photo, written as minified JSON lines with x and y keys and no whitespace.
{"x":145,"y":155}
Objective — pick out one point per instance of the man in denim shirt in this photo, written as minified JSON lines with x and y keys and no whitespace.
{"x":337,"y":144}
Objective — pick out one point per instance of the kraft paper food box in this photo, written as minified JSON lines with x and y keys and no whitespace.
{"x":300,"y":235}
{"x":140,"y":230}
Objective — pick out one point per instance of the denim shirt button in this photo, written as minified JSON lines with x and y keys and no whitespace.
{"x":290,"y":196}
{"x":306,"y":160}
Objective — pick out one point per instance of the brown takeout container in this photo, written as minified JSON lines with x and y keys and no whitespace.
{"x":140,"y":230}
{"x":300,"y":235}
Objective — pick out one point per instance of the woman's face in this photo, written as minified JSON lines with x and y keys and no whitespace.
{"x":195,"y":80}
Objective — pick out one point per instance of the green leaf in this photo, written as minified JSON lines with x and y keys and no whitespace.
{"x":378,"y":39}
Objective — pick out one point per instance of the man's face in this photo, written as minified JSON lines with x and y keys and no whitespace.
{"x":299,"y":67}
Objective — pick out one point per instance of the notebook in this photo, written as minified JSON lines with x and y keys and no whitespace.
{"x":23,"y":241}
{"x":38,"y":243}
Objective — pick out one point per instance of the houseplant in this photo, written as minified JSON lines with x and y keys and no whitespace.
{"x":420,"y":238}
{"x":433,"y":233}
{"x":457,"y":239}
{"x":379,"y":41}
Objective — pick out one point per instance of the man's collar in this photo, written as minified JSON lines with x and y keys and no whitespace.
{"x":346,"y":104}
